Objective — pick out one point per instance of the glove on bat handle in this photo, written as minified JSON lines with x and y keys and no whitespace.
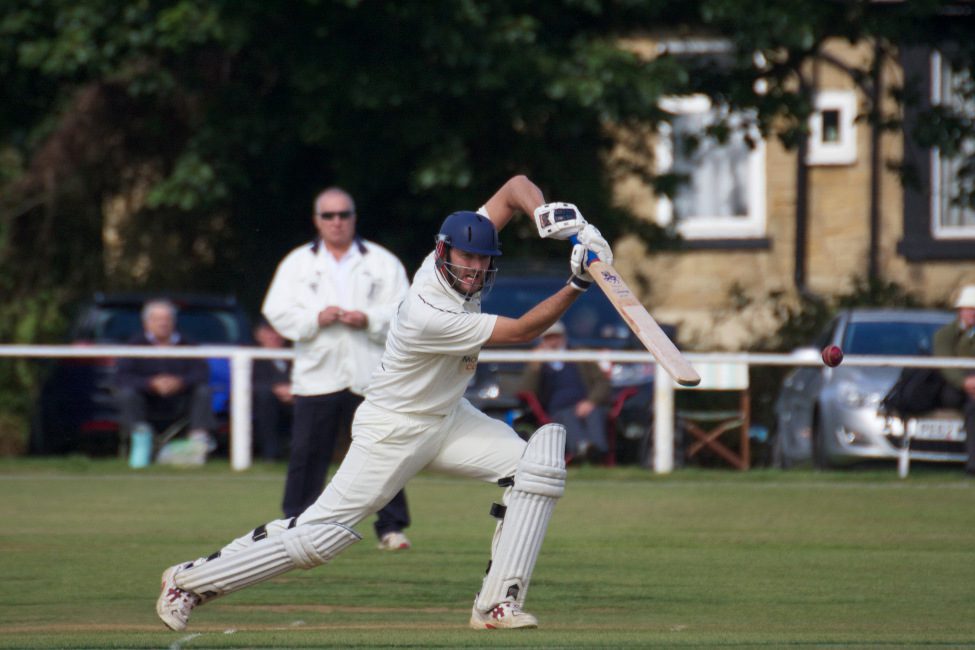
{"x":590,"y":256}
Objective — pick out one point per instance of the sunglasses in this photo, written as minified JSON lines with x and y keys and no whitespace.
{"x":343,"y":214}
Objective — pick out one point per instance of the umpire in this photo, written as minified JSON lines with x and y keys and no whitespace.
{"x":334,"y":298}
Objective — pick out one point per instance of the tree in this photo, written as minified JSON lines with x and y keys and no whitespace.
{"x":179,"y":143}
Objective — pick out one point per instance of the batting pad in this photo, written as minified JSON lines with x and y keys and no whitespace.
{"x":302,"y":547}
{"x":539,"y":482}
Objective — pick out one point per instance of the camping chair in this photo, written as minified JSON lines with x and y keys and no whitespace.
{"x":708,"y":426}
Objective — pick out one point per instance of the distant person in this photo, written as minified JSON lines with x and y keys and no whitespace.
{"x":957,"y":339}
{"x":272,"y":400}
{"x":162,"y":387}
{"x":334,"y":298}
{"x":574,"y":394}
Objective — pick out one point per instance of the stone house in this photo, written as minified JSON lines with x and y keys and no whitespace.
{"x":748,"y":237}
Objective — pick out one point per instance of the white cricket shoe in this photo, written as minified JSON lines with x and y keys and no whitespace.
{"x":504,"y":616}
{"x":394,"y":541}
{"x":175,"y":604}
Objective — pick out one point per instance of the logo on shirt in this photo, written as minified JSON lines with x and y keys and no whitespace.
{"x":469,"y":362}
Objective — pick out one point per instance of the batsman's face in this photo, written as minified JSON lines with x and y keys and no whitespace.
{"x":160,"y":323}
{"x":469,"y":270}
{"x":335,"y":219}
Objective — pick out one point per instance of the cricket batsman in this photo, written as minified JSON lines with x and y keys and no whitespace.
{"x":414,"y":417}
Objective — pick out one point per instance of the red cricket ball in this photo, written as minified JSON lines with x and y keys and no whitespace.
{"x":832,"y":355}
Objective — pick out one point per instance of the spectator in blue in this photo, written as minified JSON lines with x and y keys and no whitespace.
{"x":272,"y":400}
{"x":159,"y":387}
{"x":573,"y":394}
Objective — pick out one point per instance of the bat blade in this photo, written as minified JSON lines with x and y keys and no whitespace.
{"x":643,"y":325}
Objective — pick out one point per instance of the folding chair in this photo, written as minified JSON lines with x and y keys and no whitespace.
{"x":708,"y":426}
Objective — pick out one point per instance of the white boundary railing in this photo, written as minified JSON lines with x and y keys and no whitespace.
{"x":242,"y":358}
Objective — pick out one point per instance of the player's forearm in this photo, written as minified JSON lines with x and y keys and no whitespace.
{"x":518,"y":194}
{"x":535,"y":321}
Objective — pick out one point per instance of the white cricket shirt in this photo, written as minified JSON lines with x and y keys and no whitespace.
{"x":432,"y":348}
{"x":330,"y":359}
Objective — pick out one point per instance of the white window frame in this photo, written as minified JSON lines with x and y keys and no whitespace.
{"x":938,"y":229}
{"x":844,"y":150}
{"x":747,"y":226}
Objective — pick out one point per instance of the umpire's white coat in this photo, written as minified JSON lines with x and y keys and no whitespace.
{"x":337,"y":357}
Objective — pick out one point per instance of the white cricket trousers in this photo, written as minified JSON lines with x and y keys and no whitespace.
{"x":388,"y":449}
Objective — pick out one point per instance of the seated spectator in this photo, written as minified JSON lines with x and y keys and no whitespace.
{"x":957,"y":339}
{"x":573,"y":394}
{"x":150,"y":388}
{"x":272,"y":399}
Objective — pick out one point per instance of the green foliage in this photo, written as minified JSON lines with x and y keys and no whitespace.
{"x":247,"y":108}
{"x":192,"y":185}
{"x":35,"y":318}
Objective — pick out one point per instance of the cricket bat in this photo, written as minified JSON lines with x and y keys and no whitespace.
{"x":642,"y":323}
{"x":563,"y":221}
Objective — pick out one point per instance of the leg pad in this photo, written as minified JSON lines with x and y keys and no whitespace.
{"x":302,"y":547}
{"x":539,"y":483}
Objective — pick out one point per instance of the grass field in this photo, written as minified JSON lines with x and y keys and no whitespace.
{"x":702,"y":558}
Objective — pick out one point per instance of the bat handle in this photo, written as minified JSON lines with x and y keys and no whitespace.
{"x":592,"y":257}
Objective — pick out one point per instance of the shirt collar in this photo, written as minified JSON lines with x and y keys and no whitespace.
{"x":357,"y":242}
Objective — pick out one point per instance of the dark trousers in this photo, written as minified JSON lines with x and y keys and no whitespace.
{"x":954,"y":398}
{"x":271,"y":424}
{"x":318,"y":422}
{"x":590,"y":429}
{"x":138,"y":406}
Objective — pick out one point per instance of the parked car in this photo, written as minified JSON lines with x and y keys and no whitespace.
{"x":591,"y":323}
{"x":75,"y":409}
{"x":831,"y":416}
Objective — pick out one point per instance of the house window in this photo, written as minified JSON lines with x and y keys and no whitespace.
{"x":832,"y":129}
{"x":724,"y":196}
{"x":950,"y":218}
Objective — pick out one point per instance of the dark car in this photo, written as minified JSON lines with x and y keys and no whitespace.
{"x":591,"y":323}
{"x":76,"y":410}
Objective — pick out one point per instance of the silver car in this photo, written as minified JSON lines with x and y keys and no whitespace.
{"x":830,"y":415}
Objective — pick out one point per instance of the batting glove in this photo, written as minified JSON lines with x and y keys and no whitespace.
{"x":580,"y":280}
{"x":591,"y":238}
{"x":558,"y":220}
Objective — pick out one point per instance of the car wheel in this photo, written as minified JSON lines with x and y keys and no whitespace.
{"x":819,"y":452}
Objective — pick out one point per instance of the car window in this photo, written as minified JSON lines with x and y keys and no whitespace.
{"x":898,"y":338}
{"x":208,"y":326}
{"x":118,"y":324}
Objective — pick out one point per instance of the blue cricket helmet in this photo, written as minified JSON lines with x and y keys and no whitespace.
{"x":470,"y":232}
